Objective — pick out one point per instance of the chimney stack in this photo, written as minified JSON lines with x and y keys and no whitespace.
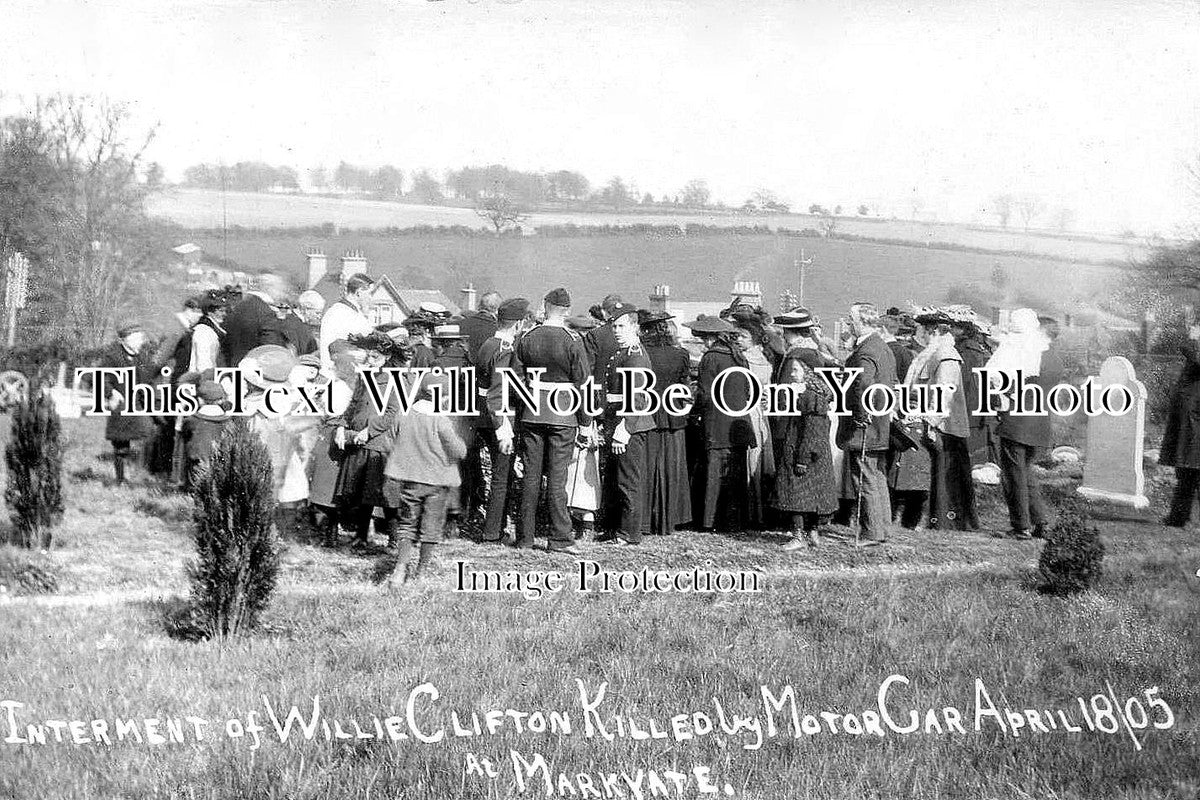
{"x":318,"y":265}
{"x":747,"y":291}
{"x":353,"y":262}
{"x":659,"y":297}
{"x":470,"y":302}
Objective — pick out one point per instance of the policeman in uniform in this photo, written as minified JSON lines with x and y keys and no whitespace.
{"x":625,"y":487}
{"x":494,"y":429}
{"x":548,"y":437}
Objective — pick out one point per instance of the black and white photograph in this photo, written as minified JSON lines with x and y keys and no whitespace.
{"x":427,"y":399}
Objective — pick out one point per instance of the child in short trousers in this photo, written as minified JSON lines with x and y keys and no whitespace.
{"x":421,"y":472}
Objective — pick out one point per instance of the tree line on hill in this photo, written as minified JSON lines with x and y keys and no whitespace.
{"x":470,"y":185}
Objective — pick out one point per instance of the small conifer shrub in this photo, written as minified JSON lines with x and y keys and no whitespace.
{"x":237,"y":546}
{"x":1073,"y":554}
{"x":34,"y":459}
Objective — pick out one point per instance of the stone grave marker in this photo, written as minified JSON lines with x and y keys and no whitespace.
{"x":1112,"y":471}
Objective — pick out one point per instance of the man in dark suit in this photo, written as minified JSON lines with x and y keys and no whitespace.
{"x":548,"y":437}
{"x":863,"y":436}
{"x":479,"y":326}
{"x":253,"y":321}
{"x":494,"y":429}
{"x":1021,"y":437}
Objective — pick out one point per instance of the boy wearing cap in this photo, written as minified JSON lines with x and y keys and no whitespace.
{"x":201,"y":430}
{"x":422,"y":471}
{"x":495,"y":429}
{"x":547,"y":437}
{"x":129,"y":351}
{"x":626,"y":436}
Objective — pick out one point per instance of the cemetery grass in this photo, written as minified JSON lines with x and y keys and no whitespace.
{"x":941,"y":609}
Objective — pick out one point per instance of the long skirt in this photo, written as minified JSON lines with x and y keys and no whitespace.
{"x":360,"y":481}
{"x":720,"y":488}
{"x":323,"y":468}
{"x":952,"y":492}
{"x":668,"y":500}
{"x":760,"y":469}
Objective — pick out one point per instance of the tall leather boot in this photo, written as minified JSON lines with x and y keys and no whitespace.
{"x":330,"y":530}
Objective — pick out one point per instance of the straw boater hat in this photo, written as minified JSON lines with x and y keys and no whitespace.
{"x":707,"y":324}
{"x":797,"y":318}
{"x":269,"y":365}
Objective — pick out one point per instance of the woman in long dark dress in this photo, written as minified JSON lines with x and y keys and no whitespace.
{"x":366,"y":437}
{"x":721,"y":485}
{"x":804,"y":481}
{"x":668,"y":500}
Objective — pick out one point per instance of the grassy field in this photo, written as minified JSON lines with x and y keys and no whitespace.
{"x":941,"y":609}
{"x":696,"y":268}
{"x":207,"y":209}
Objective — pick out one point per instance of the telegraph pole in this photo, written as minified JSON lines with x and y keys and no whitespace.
{"x":800,"y":263}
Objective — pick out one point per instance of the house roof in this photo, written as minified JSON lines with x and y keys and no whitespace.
{"x":188,"y":249}
{"x":410,"y":300}
{"x":329,"y":287}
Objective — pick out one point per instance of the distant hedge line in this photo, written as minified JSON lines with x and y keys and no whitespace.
{"x":571,"y":230}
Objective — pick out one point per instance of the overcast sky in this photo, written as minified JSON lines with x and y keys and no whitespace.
{"x":1094,"y":105}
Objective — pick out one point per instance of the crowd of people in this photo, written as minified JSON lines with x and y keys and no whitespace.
{"x":510,"y":475}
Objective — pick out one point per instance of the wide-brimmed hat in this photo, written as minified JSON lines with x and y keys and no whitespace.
{"x":433,"y":309}
{"x":931,"y":315}
{"x":648,"y":317}
{"x":797,"y":318}
{"x":707,"y":324}
{"x":268,"y":365}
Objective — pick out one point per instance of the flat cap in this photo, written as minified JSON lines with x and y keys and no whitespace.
{"x":559,"y":297}
{"x":620,"y":309}
{"x":129,"y":328}
{"x":513,"y":308}
{"x":705,"y":324}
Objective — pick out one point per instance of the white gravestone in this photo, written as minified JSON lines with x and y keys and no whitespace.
{"x":1113,"y":470}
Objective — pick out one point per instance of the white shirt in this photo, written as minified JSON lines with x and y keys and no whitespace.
{"x":206,"y":348}
{"x":339,"y":321}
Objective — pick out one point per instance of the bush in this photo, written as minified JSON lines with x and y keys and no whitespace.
{"x":1072,"y":557}
{"x":34,"y":459}
{"x":22,"y":572}
{"x":237,"y":545}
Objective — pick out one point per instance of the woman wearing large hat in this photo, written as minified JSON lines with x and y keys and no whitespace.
{"x":668,"y":493}
{"x":365,"y":435}
{"x":944,"y":435}
{"x":720,"y":485}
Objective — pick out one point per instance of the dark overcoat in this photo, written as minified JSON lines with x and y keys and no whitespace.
{"x":1181,"y":439}
{"x":1034,"y":430}
{"x":248,"y":325}
{"x":723,"y":430}
{"x":859,"y":430}
{"x":123,"y":427}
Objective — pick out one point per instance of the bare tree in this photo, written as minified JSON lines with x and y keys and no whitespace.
{"x":1002,"y":207}
{"x":1064,"y":219}
{"x":827,"y":223}
{"x":696,"y":194}
{"x":91,"y":204}
{"x":1030,"y":206}
{"x":501,"y":211}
